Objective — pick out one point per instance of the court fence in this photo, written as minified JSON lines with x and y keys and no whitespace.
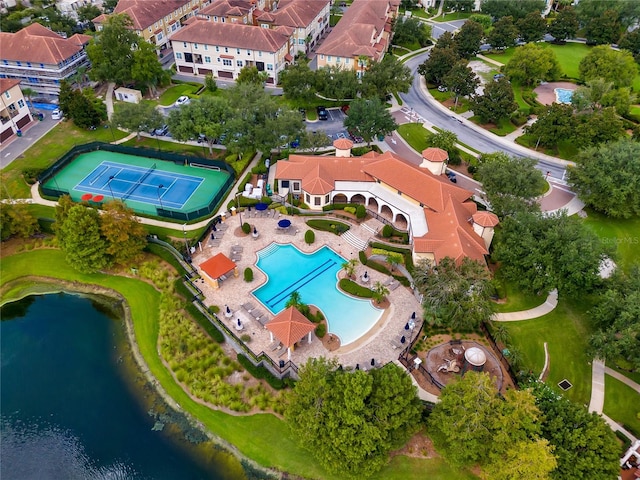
{"x":177,"y":158}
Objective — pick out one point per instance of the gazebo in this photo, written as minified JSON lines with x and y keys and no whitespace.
{"x":217,"y":268}
{"x":289,"y":327}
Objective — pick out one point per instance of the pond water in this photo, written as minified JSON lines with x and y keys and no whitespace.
{"x":75,"y":406}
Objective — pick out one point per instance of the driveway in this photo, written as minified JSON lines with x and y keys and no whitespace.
{"x":333,"y":127}
{"x":30,"y":135}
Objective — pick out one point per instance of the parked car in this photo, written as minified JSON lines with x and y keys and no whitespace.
{"x":202,"y":138}
{"x":56,"y":114}
{"x":163,"y":130}
{"x":452,"y":176}
{"x":345,"y":109}
{"x":442,"y":88}
{"x":183,"y":100}
{"x":322,"y":113}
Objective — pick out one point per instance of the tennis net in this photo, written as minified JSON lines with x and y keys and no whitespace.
{"x":139,"y":182}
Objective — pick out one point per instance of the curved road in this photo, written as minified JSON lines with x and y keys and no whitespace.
{"x":474,"y":136}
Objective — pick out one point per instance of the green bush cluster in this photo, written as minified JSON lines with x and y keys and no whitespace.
{"x":328,"y":226}
{"x":309,"y":237}
{"x":321,"y":330}
{"x":214,"y":309}
{"x":362,"y":256}
{"x":387,"y":231}
{"x":248,"y":275}
{"x":260,"y":372}
{"x":246,"y":228}
{"x":351,"y":210}
{"x":337,"y":206}
{"x":405,"y":252}
{"x":361,"y":212}
{"x":354,"y":289}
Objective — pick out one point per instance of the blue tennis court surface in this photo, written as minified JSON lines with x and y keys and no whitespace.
{"x":147,"y":185}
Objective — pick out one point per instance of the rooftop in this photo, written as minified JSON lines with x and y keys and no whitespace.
{"x":38,"y":44}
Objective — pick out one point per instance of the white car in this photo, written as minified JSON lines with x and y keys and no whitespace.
{"x":183,"y":100}
{"x":56,"y":114}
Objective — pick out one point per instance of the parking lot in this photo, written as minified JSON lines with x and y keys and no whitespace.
{"x":333,"y":126}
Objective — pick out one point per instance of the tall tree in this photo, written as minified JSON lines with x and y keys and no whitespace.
{"x":514,"y":8}
{"x":446,"y":140}
{"x":369,"y":118}
{"x":600,"y":126}
{"x":407,"y":30}
{"x":496,"y":102}
{"x":251,"y":75}
{"x":298,"y":82}
{"x":607,"y":178}
{"x":16,"y":219}
{"x":146,"y":69}
{"x":630,"y":41}
{"x":554,"y":124}
{"x":445,"y":41}
{"x":314,"y":140}
{"x":337,"y":83}
{"x":461,"y":81}
{"x":137,"y":117}
{"x":454,"y":296}
{"x":439,"y":63}
{"x":88,"y":12}
{"x":112,"y":51}
{"x":532,"y":27}
{"x":459,"y":5}
{"x":511,"y":183}
{"x":504,"y":33}
{"x":80,"y":239}
{"x":468,"y":39}
{"x":350,"y":421}
{"x":384,"y":77}
{"x":614,"y":66}
{"x":532,"y":63}
{"x":564,"y":26}
{"x":124,"y":234}
{"x":205,"y":115}
{"x":605,"y":29}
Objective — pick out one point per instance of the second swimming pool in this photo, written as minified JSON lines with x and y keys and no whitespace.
{"x":314,"y":277}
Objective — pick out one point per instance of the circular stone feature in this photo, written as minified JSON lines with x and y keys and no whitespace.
{"x":475,"y":356}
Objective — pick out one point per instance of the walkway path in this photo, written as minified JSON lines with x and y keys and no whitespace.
{"x":597,"y":386}
{"x":109,"y":100}
{"x":622,"y":378}
{"x":549,"y":304}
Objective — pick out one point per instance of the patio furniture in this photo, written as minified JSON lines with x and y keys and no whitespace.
{"x":275,"y":345}
{"x":248,"y":306}
{"x":257,"y":314}
{"x":262,"y":320}
{"x":237,"y":249}
{"x":222,"y":227}
{"x":393,"y":285}
{"x":214,"y":243}
{"x":395,"y":343}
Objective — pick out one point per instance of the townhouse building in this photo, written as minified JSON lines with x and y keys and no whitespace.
{"x":223,"y":49}
{"x":41,"y":58}
{"x":14,"y":111}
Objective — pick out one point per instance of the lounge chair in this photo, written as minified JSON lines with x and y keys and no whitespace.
{"x":275,"y":345}
{"x":395,"y":343}
{"x":237,"y":248}
{"x":393,"y":285}
{"x":257,"y":314}
{"x":262,"y":320}
{"x":236,"y":258}
{"x":248,"y":306}
{"x":222,"y":227}
{"x":389,"y":281}
{"x":214,"y":243}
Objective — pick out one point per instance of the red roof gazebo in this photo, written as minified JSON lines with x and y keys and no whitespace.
{"x":217,"y":268}
{"x":289,"y":327}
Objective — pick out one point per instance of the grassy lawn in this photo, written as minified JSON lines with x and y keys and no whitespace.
{"x":566,"y":331}
{"x":47,"y":151}
{"x":263,"y":437}
{"x":622,"y":235}
{"x":565,"y":149}
{"x":504,"y":127}
{"x":517,"y":300}
{"x":622,"y":403}
{"x":415,"y":135}
{"x":447,"y":17}
{"x":201,"y":150}
{"x":171,"y":94}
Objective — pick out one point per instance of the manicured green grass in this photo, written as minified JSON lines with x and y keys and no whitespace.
{"x":565,"y":149}
{"x":201,"y":150}
{"x":622,"y":404}
{"x":566,"y":330}
{"x":415,"y":135}
{"x":635,"y":376}
{"x":517,"y":300}
{"x":452,"y":16}
{"x":47,"y":151}
{"x":171,"y":94}
{"x":262,"y":437}
{"x":622,"y":235}
{"x":504,"y":126}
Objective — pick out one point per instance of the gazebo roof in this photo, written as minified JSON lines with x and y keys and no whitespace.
{"x":343,"y":144}
{"x":217,"y":266}
{"x":486,"y":219}
{"x":289,"y":326}
{"x":475,"y":356}
{"x":433,"y":154}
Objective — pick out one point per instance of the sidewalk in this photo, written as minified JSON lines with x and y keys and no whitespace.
{"x":550,"y":303}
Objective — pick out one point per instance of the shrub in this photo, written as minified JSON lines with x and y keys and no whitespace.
{"x":351,"y":210}
{"x":246,"y":228}
{"x":361,"y":212}
{"x":472,"y":169}
{"x":354,"y":289}
{"x":260,"y":372}
{"x":387,"y":231}
{"x":31,"y":174}
{"x":321,"y":330}
{"x":362,"y":256}
{"x":248,"y":274}
{"x":332,"y":226}
{"x":204,"y":322}
{"x":214,"y":309}
{"x":309,"y":237}
{"x":246,"y":338}
{"x":518,"y":119}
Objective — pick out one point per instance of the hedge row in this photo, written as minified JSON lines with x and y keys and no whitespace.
{"x":328,"y":226}
{"x":338,"y":206}
{"x":354,"y":289}
{"x":261,"y":373}
{"x":405,"y":252}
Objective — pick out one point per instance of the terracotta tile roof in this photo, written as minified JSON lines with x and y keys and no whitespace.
{"x":290,"y":326}
{"x":38,"y":44}
{"x":144,"y":13}
{"x":435,"y":154}
{"x":222,"y":8}
{"x":343,"y":144}
{"x":451,"y":234}
{"x":232,"y":35}
{"x":217,"y":266}
{"x":486,"y":219}
{"x":7,"y":83}
{"x":353,"y":34}
{"x":266,"y":17}
{"x":298,"y":13}
{"x":418,"y":183}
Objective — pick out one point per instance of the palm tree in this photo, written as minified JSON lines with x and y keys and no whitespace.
{"x":295,"y":300}
{"x":392,"y":260}
{"x":500,"y":333}
{"x":515,"y":358}
{"x":379,"y":292}
{"x":350,"y":267}
{"x":28,"y":93}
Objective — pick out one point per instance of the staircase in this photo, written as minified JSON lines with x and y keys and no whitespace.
{"x":354,"y":241}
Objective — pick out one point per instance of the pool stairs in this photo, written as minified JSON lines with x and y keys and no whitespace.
{"x":270,"y":250}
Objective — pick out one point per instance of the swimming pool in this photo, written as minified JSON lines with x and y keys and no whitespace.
{"x":563,"y":95}
{"x":314,"y":276}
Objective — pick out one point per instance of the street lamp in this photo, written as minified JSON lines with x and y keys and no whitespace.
{"x":160,"y":187}
{"x":238,"y":207}
{"x":110,"y":189}
{"x":186,"y":244}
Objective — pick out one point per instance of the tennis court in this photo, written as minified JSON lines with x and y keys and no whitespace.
{"x":144,"y":184}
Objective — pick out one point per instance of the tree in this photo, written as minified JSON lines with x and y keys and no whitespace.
{"x":251,"y":75}
{"x":630,"y":41}
{"x":379,"y":292}
{"x":80,"y":239}
{"x":564,"y":26}
{"x":459,"y":5}
{"x":350,"y":267}
{"x":16,"y":219}
{"x":138,"y":117}
{"x":617,"y":317}
{"x":337,"y":83}
{"x":532,"y":63}
{"x":206,"y":115}
{"x":350,"y":421}
{"x":446,"y":140}
{"x":298,"y":82}
{"x":88,"y":12}
{"x":388,"y":75}
{"x":514,"y":8}
{"x":109,"y":5}
{"x":589,"y":96}
{"x":82,"y":106}
{"x":439,"y":63}
{"x":607,"y":178}
{"x":496,"y":102}
{"x":124,"y":234}
{"x":461,"y":80}
{"x":314,"y":140}
{"x":467,"y":40}
{"x":146,"y":69}
{"x":614,"y":66}
{"x":511,"y":183}
{"x":605,"y":29}
{"x":407,"y":30}
{"x":554,"y":124}
{"x":540,"y":253}
{"x":504,"y":33}
{"x":445,"y":41}
{"x":533,"y":460}
{"x":368,"y":118}
{"x":210,"y":83}
{"x":532,"y":27}
{"x":600,"y":126}
{"x":111,"y":51}
{"x":454,"y":296}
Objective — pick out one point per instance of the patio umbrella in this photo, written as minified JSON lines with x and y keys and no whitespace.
{"x":413,"y":316}
{"x":357,"y":366}
{"x":403,"y":340}
{"x":373,"y":362}
{"x":406,"y":326}
{"x":229,"y":310}
{"x":366,"y":275}
{"x":284,"y":223}
{"x":86,"y":197}
{"x":214,"y":228}
{"x":239,"y":323}
{"x":261,"y":206}
{"x":255,"y":232}
{"x":98,"y":198}
{"x":213,"y":237}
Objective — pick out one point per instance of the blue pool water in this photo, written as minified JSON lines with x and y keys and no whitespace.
{"x":314,"y":276}
{"x":563,"y":95}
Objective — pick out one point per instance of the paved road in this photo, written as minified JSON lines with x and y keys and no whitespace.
{"x":31,"y":134}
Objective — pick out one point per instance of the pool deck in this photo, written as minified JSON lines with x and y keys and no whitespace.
{"x":376,"y":344}
{"x":546,"y":91}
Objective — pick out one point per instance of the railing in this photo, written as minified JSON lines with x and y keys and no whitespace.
{"x":501,"y":358}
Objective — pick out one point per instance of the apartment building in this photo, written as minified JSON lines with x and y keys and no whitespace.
{"x":223,"y":49}
{"x":41,"y":58}
{"x":156,"y":20}
{"x":362,"y":34}
{"x":14,"y":111}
